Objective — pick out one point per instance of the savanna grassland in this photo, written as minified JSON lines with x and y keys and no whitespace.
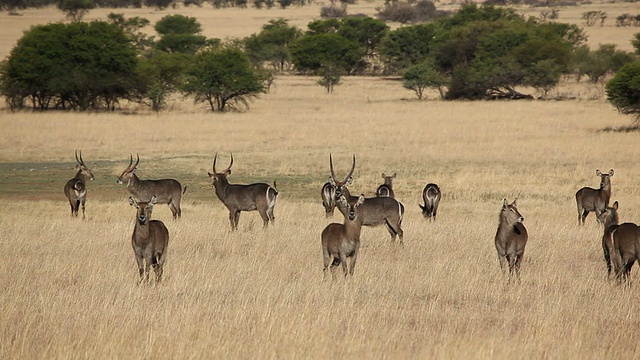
{"x":68,"y":287}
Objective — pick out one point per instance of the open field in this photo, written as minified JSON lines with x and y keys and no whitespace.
{"x":68,"y":287}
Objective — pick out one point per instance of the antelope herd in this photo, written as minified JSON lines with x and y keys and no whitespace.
{"x":341,"y":241}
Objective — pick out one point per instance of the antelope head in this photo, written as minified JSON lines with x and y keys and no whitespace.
{"x":510,"y":212}
{"x":340,"y":184}
{"x":220,"y":178}
{"x":388,"y":178}
{"x":144,"y":209}
{"x":351,"y":206}
{"x":130,"y":171}
{"x":605,"y":179}
{"x":82,"y":168}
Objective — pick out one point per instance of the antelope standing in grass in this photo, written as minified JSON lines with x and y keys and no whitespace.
{"x":237,"y":197}
{"x":511,"y":237}
{"x":328,"y":194}
{"x":166,"y":191}
{"x":149,"y":240}
{"x":609,"y":218}
{"x":76,"y":188}
{"x":376,"y":210}
{"x":589,"y":199}
{"x":386,"y":189}
{"x":621,"y":243}
{"x":431,"y":196}
{"x":342,"y":241}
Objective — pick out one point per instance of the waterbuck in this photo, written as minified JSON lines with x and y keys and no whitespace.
{"x":386,"y":189}
{"x":149,"y":240}
{"x":621,"y":243}
{"x":166,"y":191}
{"x":511,"y":237}
{"x":237,"y":197}
{"x":376,"y":210}
{"x":589,"y":199}
{"x":609,"y":218}
{"x":328,"y":194}
{"x":342,"y":241}
{"x":431,"y":196}
{"x":76,"y":189}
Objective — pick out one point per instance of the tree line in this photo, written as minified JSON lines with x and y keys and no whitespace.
{"x":478,"y":52}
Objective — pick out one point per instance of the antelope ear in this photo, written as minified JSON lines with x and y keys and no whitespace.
{"x":504,"y":203}
{"x":515,"y":202}
{"x":153,"y":200}
{"x":349,"y":180}
{"x":228,"y":172}
{"x":598,"y":172}
{"x":383,"y":175}
{"x":331,"y":181}
{"x":210,"y":174}
{"x":132,"y":201}
{"x":360,"y":199}
{"x":342,"y":199}
{"x":611,"y":172}
{"x":394,"y":175}
{"x":615,"y":205}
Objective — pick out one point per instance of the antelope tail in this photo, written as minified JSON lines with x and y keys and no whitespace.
{"x":184,"y":189}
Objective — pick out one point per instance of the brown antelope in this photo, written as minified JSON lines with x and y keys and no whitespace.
{"x":149,"y":240}
{"x":166,"y":191}
{"x":328,"y":194}
{"x":342,"y":241}
{"x":511,"y":237}
{"x":431,"y":196}
{"x":621,"y":243}
{"x":386,"y":189}
{"x":609,"y":218}
{"x":376,"y":210}
{"x":589,"y":199}
{"x":237,"y":197}
{"x":76,"y":188}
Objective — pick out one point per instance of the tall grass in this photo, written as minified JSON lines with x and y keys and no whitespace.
{"x":68,"y":287}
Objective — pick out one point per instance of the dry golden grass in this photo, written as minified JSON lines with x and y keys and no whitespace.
{"x":68,"y":287}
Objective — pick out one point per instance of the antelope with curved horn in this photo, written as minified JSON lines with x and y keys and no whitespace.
{"x":342,"y":241}
{"x":589,"y":199}
{"x":166,"y":191}
{"x":431,"y":196}
{"x":238,"y":197}
{"x":76,"y":189}
{"x":328,"y":194}
{"x":620,"y":243}
{"x":376,"y":210}
{"x":149,"y":240}
{"x":386,"y":189}
{"x":511,"y":237}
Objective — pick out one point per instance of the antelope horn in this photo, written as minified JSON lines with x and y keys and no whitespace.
{"x":78,"y":160}
{"x":130,"y":162}
{"x":81,"y":161}
{"x":137,"y":161}
{"x":333,"y":174}
{"x":229,"y":168}
{"x":353,"y":167}
{"x":214,"y":163}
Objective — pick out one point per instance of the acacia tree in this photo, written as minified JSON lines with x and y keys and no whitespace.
{"x":70,"y":66}
{"x":623,"y":90}
{"x":75,"y":9}
{"x":224,"y":78}
{"x":424,"y":75}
